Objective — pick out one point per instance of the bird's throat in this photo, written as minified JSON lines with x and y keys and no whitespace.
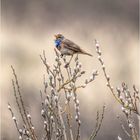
{"x":58,"y":43}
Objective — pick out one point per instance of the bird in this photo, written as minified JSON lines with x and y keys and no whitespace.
{"x":68,"y":47}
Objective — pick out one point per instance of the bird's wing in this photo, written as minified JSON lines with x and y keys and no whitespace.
{"x":71,"y":45}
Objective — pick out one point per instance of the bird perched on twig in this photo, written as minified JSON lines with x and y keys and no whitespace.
{"x":67,"y":47}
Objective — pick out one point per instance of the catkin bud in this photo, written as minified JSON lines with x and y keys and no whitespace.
{"x":76,"y":118}
{"x":120,"y":97}
{"x":99,"y":57}
{"x":129,"y":99}
{"x":48,"y":64}
{"x":130,"y":105}
{"x":59,"y":79}
{"x":123,"y":109}
{"x":74,"y":98}
{"x":27,"y":132}
{"x":79,"y":122}
{"x":126,"y":103}
{"x":130,"y":126}
{"x":56,"y":59}
{"x":126,"y":111}
{"x":29,"y":116}
{"x":77,"y":108}
{"x":103,"y":66}
{"x":80,"y":65}
{"x":9,"y":107}
{"x":50,"y":77}
{"x":68,"y":96}
{"x":51,"y":118}
{"x":20,"y":131}
{"x":56,"y":98}
{"x":46,"y":102}
{"x":20,"y":137}
{"x":77,"y":102}
{"x":84,"y":85}
{"x":45,"y":122}
{"x":14,"y":118}
{"x":33,"y":127}
{"x":97,"y":44}
{"x":42,"y":112}
{"x":108,"y":78}
{"x":91,"y":78}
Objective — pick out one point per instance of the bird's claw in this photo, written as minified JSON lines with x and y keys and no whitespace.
{"x":61,"y":55}
{"x":66,"y":65}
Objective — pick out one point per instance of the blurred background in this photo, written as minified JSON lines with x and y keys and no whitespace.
{"x":28,"y":28}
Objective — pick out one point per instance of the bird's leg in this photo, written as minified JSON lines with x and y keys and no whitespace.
{"x":67,"y":64}
{"x":70,"y":59}
{"x":76,"y":58}
{"x":61,"y":55}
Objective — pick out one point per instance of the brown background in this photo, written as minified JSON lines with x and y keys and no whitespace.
{"x":28,"y":27}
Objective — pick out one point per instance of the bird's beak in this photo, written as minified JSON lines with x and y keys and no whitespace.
{"x":55,"y":36}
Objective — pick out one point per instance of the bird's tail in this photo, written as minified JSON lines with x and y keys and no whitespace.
{"x":88,"y":54}
{"x":84,"y":52}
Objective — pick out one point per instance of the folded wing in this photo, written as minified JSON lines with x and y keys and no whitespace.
{"x":74,"y":47}
{"x":71,"y":45}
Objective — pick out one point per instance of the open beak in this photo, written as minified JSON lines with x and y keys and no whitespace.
{"x":56,"y":36}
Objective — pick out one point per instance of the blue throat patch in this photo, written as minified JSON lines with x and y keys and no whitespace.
{"x":57,"y":43}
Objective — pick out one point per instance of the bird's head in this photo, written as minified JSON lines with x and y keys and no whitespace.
{"x":59,"y":37}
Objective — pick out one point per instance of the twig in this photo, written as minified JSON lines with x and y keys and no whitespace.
{"x":98,"y":124}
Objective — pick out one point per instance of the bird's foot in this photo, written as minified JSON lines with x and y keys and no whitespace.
{"x":61,"y":55}
{"x":66,"y":65}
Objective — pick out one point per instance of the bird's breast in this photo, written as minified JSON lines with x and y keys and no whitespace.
{"x":66,"y":51}
{"x":57,"y":44}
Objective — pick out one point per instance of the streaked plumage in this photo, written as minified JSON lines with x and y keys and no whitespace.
{"x":67,"y":47}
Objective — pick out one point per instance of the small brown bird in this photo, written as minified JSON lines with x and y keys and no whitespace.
{"x":67,"y":47}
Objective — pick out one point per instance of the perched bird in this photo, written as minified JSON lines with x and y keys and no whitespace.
{"x":67,"y":47}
